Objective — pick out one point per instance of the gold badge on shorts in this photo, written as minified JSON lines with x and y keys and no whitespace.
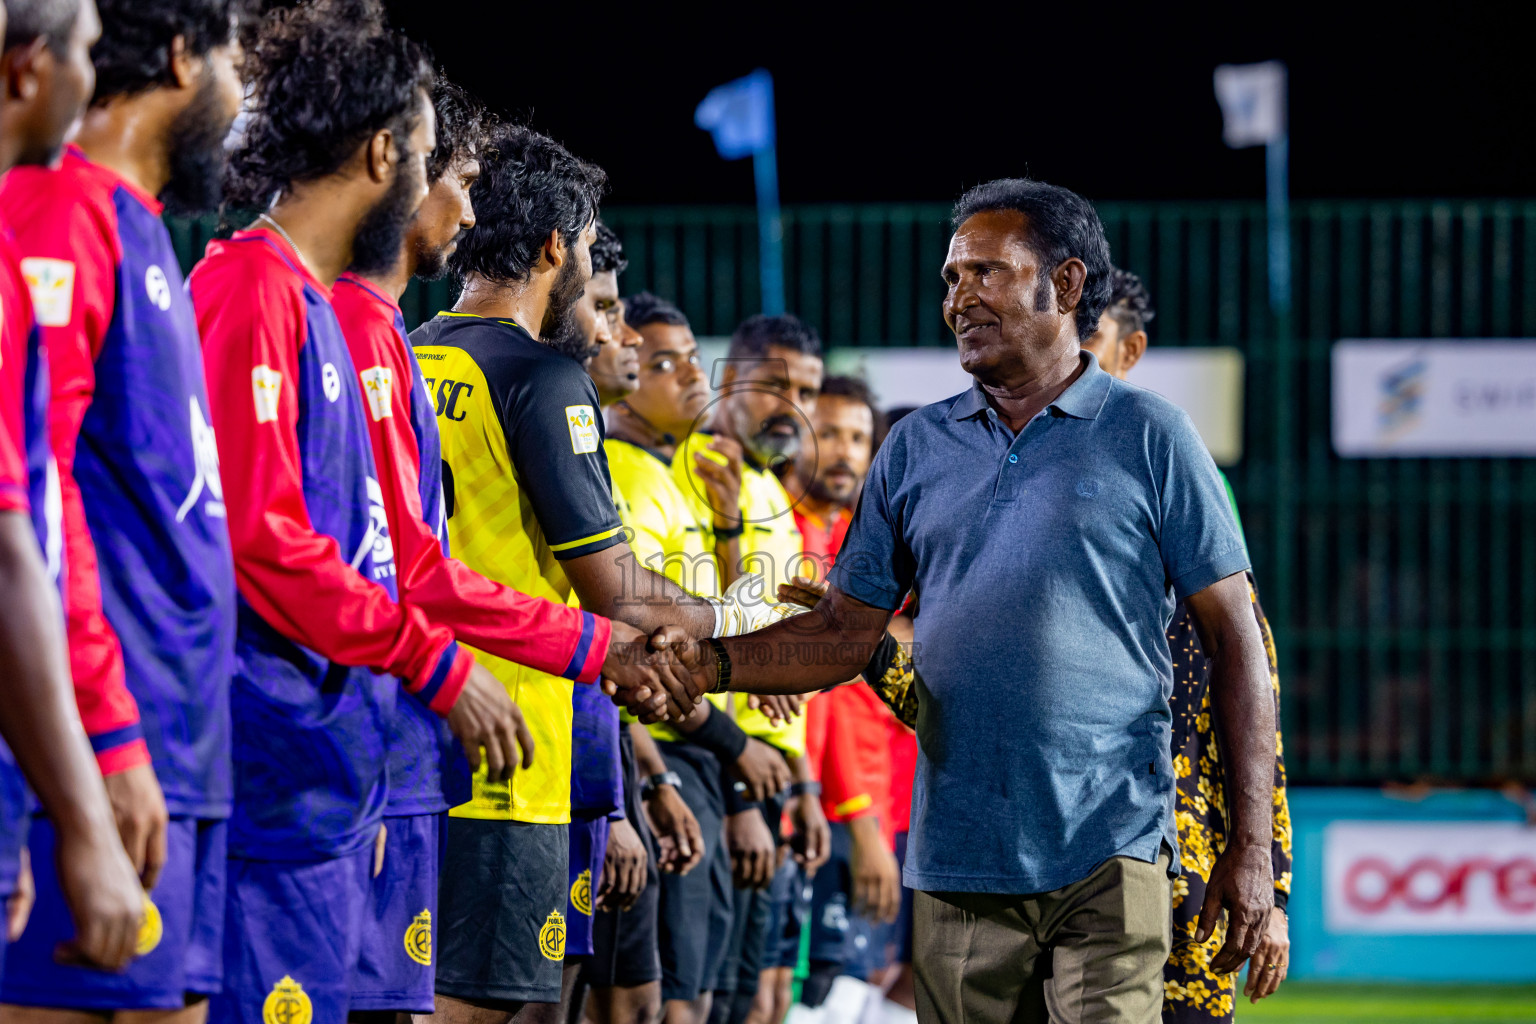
{"x":581,"y":893}
{"x":151,"y":930}
{"x":287,"y":1003}
{"x":418,"y":939}
{"x":551,"y":938}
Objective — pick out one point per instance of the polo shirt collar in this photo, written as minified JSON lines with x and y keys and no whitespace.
{"x":1082,"y":400}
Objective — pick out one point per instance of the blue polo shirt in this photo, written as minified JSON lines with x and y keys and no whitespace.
{"x":1048,"y":564}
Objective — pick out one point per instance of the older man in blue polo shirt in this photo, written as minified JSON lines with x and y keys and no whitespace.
{"x":1049,"y":516}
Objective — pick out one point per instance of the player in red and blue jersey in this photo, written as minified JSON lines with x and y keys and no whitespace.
{"x":47,"y":63}
{"x":150,"y":582}
{"x":426,"y":767}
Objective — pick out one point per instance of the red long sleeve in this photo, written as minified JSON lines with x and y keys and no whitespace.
{"x":493,"y":617}
{"x":69,"y":256}
{"x":252,"y":314}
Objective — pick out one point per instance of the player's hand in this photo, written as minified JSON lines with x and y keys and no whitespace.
{"x":812,"y":841}
{"x":762,"y":769}
{"x":490,"y":726}
{"x":623,"y":868}
{"x":1243,"y":883}
{"x":876,"y":881}
{"x":753,"y":856}
{"x":777,"y":707}
{"x":1271,"y":963}
{"x":632,"y":674}
{"x":678,"y":667}
{"x":104,"y":896}
{"x":678,"y":836}
{"x":139,"y":807}
{"x":722,"y":483}
{"x":803,"y":590}
{"x":19,"y":907}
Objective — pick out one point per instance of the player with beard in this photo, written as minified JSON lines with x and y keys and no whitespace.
{"x":140,"y":473}
{"x":426,"y":770}
{"x":313,"y":554}
{"x":530,"y":504}
{"x":47,"y":78}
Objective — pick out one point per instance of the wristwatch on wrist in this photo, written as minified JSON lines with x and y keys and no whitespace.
{"x":808,"y":788}
{"x":648,"y":785}
{"x":722,"y":665}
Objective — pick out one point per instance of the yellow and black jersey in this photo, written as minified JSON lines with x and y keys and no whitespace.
{"x":526,"y":485}
{"x":770,"y":545}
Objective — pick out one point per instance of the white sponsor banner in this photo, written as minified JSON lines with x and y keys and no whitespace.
{"x":1429,"y":878}
{"x":1434,"y":398}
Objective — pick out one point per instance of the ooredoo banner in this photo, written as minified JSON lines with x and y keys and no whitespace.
{"x":1441,"y":878}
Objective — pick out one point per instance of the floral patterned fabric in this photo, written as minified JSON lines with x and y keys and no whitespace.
{"x":1190,"y":991}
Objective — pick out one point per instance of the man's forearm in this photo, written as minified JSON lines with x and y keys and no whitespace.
{"x":38,"y":717}
{"x":829,"y":644}
{"x":647,"y":756}
{"x":1245,"y":722}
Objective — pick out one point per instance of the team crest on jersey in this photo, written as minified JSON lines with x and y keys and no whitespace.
{"x":552,"y":937}
{"x":157,"y":288}
{"x":378,"y":389}
{"x":52,"y":284}
{"x":151,"y":931}
{"x":581,"y":893}
{"x":287,"y":1003}
{"x":418,"y":939}
{"x":583,"y":425}
{"x":205,"y":456}
{"x":266,"y":387}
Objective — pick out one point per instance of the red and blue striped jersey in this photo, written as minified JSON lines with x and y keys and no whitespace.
{"x":150,"y":587}
{"x":402,"y":423}
{"x":321,"y":636}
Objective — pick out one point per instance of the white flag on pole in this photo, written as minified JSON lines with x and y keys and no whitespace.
{"x":1252,"y":98}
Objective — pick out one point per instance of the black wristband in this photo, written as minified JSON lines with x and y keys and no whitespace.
{"x":736,"y":799}
{"x":730,"y":532}
{"x":1282,"y":899}
{"x":720,"y":736}
{"x":808,"y":788}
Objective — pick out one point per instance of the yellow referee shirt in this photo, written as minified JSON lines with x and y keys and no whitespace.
{"x":526,"y":485}
{"x":770,"y":544}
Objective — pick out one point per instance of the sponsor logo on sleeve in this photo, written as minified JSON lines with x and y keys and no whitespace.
{"x":287,"y":1003}
{"x":52,"y":284}
{"x":583,"y":425}
{"x":205,"y":457}
{"x":418,"y":939}
{"x":266,"y":386}
{"x":378,"y":389}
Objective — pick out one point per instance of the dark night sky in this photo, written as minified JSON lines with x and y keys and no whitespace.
{"x":910,"y":104}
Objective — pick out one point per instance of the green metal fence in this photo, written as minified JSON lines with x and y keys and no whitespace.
{"x":1402,"y":592}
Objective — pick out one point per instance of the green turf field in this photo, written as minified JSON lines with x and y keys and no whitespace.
{"x":1316,"y":1002}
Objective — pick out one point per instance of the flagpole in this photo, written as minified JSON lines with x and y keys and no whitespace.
{"x":1278,"y":203}
{"x":770,"y":228}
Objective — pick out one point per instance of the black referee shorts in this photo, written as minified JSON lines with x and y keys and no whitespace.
{"x":696,"y":908}
{"x":502,"y":903}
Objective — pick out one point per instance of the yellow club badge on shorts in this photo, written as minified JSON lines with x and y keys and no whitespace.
{"x":418,"y":939}
{"x":151,"y":930}
{"x":551,"y":938}
{"x":287,"y":1003}
{"x":581,"y":893}
{"x":583,"y":426}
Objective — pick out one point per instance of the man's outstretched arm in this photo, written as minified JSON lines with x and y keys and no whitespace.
{"x":1242,"y":880}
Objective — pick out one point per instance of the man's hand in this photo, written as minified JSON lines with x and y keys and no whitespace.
{"x":753,"y":856}
{"x":876,"y":876}
{"x":1271,"y":963}
{"x":139,"y":807}
{"x":802,"y":590}
{"x":485,"y":719}
{"x":1243,"y":883}
{"x":722,"y":483}
{"x":812,"y":841}
{"x":19,"y":907}
{"x":623,"y":868}
{"x":763,"y":770}
{"x":104,"y":896}
{"x":778,"y":707}
{"x":678,"y":835}
{"x":643,"y":673}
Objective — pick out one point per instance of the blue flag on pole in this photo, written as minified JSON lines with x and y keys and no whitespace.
{"x":739,"y":115}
